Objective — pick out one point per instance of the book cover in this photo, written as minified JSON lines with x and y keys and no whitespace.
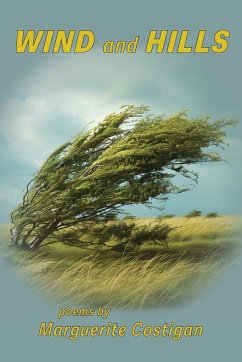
{"x":120,"y":181}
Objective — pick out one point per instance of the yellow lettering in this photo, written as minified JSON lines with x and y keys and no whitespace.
{"x":172,"y":41}
{"x":43,"y":331}
{"x":120,"y":44}
{"x":48,"y":40}
{"x":108,"y":47}
{"x":160,"y":42}
{"x":63,"y":40}
{"x":199,"y":45}
{"x":132,"y":45}
{"x":182,"y":48}
{"x":31,"y":41}
{"x":222,"y":44}
{"x":84,"y":35}
{"x":134,"y":332}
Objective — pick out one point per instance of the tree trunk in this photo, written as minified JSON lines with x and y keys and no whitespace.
{"x":20,"y":240}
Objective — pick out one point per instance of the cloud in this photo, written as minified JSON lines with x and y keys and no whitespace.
{"x":58,"y":96}
{"x":56,"y":99}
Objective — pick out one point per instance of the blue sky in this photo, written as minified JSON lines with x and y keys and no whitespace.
{"x":57,"y":96}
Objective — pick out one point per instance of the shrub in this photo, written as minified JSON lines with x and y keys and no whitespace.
{"x":117,"y":235}
{"x":212,"y":214}
{"x":194,"y":213}
{"x":165,"y":216}
{"x":129,"y":217}
{"x":168,"y":216}
{"x":110,"y":216}
{"x":150,"y":233}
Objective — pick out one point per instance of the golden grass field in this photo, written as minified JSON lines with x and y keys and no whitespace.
{"x":199,"y":250}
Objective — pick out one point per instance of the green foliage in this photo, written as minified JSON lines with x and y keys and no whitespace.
{"x":129,"y":217}
{"x":194,"y":213}
{"x":117,"y":235}
{"x":69,"y":236}
{"x":150,"y":234}
{"x":165,"y":216}
{"x":129,"y":158}
{"x":212,"y":214}
{"x":109,"y":216}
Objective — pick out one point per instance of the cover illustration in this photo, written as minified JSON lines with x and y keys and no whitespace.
{"x":121,"y":172}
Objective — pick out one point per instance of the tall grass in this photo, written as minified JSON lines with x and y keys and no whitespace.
{"x":122,"y":282}
{"x":154,"y":277}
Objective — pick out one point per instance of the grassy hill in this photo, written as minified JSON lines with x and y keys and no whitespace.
{"x":198,"y":250}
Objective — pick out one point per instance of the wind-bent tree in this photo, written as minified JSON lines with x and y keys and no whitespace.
{"x":129,"y":158}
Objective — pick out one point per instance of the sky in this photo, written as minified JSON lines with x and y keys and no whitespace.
{"x":57,"y":97}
